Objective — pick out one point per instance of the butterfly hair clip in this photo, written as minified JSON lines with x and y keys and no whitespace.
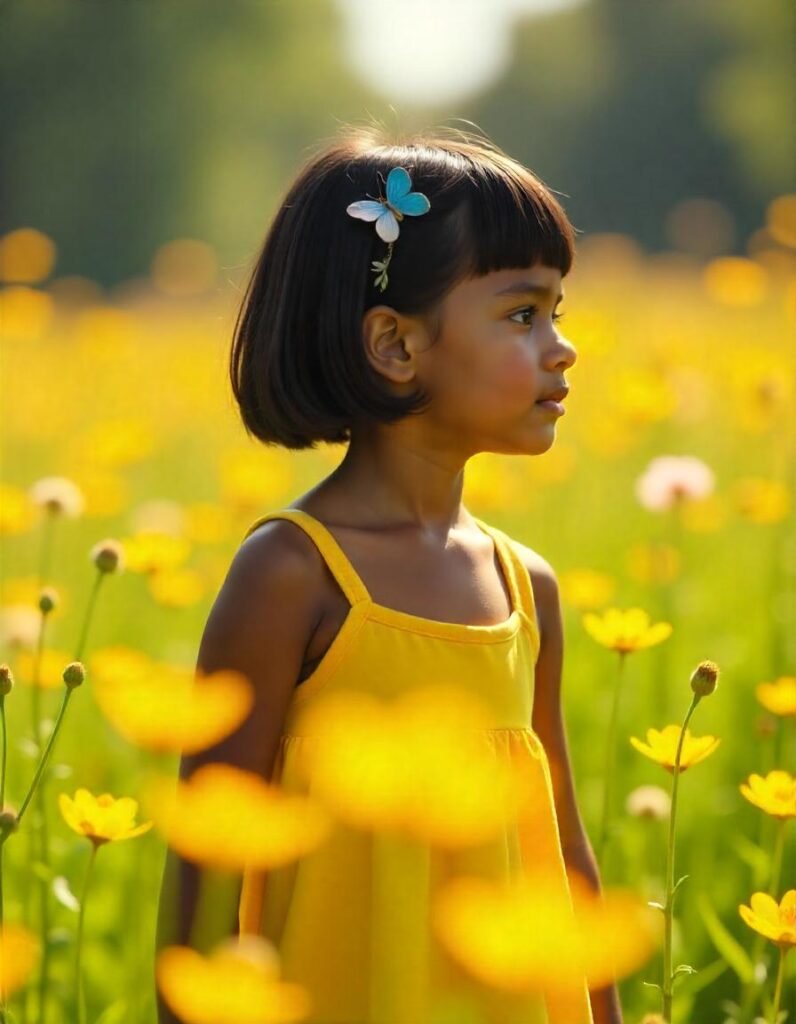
{"x":387,"y":213}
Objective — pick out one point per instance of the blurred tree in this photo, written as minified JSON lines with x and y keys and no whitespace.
{"x":628,"y":108}
{"x":129,"y":123}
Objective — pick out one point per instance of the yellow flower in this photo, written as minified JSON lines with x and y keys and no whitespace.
{"x":661,"y":746}
{"x":237,"y":983}
{"x":424,"y":764}
{"x":101,"y":819}
{"x":775,"y":794}
{"x":775,"y":921}
{"x":625,"y":631}
{"x":19,"y":954}
{"x":226,"y":818}
{"x":778,"y":697}
{"x":170,"y":708}
{"x":531,"y":935}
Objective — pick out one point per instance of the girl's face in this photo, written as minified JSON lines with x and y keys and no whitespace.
{"x":498,"y":353}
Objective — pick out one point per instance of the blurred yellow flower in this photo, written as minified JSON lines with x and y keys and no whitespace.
{"x":51,"y":667}
{"x":25,"y":313}
{"x":762,"y":501}
{"x":254,"y":478}
{"x":775,"y":921}
{"x":735,"y":281}
{"x":524,"y":935}
{"x":16,"y":511}
{"x":421,"y":764}
{"x":237,"y":983}
{"x":625,"y":630}
{"x":102,"y":819}
{"x":586,"y":589}
{"x":778,"y":697}
{"x":229,"y":819}
{"x":26,"y":255}
{"x":649,"y":562}
{"x":177,"y":588}
{"x":111,"y":444}
{"x":661,"y":747}
{"x":19,"y":954}
{"x":169,"y":708}
{"x":151,"y":551}
{"x":775,"y":794}
{"x":781,"y":219}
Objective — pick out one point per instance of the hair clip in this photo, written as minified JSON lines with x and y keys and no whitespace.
{"x":387,"y":213}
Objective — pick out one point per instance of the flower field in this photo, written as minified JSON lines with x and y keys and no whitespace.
{"x":666,"y":506}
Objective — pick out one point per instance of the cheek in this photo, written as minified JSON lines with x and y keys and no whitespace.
{"x":515,"y":375}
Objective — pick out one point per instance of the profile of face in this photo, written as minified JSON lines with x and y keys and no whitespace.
{"x":498,"y":353}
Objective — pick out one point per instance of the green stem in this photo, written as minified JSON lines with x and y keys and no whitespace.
{"x":610,"y":757}
{"x":669,"y":901}
{"x":776,"y":865}
{"x":778,"y":986}
{"x":47,"y":751}
{"x":3,"y":1005}
{"x":81,"y":1007}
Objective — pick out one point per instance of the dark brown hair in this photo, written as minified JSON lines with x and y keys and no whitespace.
{"x":298,"y":368}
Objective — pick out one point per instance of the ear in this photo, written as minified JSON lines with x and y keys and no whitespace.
{"x":392,"y":343}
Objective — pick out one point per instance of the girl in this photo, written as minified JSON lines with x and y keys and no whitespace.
{"x":404,"y":302}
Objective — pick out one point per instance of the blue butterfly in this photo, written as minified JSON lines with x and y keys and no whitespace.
{"x":400,"y":202}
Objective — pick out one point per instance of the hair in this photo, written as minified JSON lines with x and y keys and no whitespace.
{"x":298,"y":367}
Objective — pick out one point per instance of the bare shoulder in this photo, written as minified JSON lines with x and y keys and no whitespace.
{"x":260,"y":625}
{"x":544,"y":583}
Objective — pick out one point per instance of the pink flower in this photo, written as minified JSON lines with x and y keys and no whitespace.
{"x":672,"y":478}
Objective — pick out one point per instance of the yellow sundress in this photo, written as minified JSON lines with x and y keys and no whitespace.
{"x":350,"y":921}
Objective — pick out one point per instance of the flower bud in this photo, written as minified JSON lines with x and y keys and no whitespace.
{"x":6,"y":680}
{"x":108,"y":556}
{"x":705,"y":678}
{"x":74,"y":674}
{"x":48,"y":599}
{"x":8,"y":822}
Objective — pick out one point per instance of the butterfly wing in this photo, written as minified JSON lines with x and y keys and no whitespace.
{"x":398,"y":184}
{"x":414,"y":204}
{"x":387,"y":226}
{"x":365,"y":209}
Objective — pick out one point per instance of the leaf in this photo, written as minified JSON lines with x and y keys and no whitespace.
{"x":684,"y":969}
{"x":732,"y":951}
{"x":116,"y":1013}
{"x":59,"y":937}
{"x":750,"y":853}
{"x":653,"y":984}
{"x":678,"y":883}
{"x":64,"y":894}
{"x":42,"y":871}
{"x":707,"y":975}
{"x":658,"y":906}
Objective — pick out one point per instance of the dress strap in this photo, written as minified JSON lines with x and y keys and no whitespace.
{"x":515,"y":571}
{"x":331,"y":552}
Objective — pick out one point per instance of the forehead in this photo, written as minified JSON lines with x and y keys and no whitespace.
{"x":537,"y":281}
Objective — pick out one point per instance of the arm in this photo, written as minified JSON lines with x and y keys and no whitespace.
{"x":549,"y":725}
{"x":259,"y":625}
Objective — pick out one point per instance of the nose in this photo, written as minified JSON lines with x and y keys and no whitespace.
{"x":562,"y":353}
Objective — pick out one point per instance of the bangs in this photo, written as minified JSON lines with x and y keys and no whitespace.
{"x":514,"y":221}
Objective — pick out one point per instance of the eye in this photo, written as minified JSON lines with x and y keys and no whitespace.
{"x":535,"y":309}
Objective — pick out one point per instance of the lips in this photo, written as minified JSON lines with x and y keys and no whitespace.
{"x":555,"y":396}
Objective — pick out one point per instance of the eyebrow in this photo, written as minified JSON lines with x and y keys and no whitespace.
{"x":528,"y":288}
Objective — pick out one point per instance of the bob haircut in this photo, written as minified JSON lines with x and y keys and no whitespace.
{"x":298,"y":367}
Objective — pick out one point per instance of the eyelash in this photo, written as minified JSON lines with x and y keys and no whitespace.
{"x":535,"y":309}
